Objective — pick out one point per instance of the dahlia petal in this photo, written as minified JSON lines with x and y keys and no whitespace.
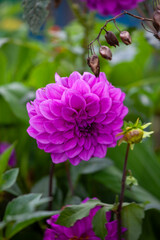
{"x":100,"y":151}
{"x":41,"y":145}
{"x":87,"y":143}
{"x":81,"y":86}
{"x":92,"y":81}
{"x":57,"y":138}
{"x":30,"y":109}
{"x":110,"y":117}
{"x":105,"y":105}
{"x":77,"y":102}
{"x":54,"y":91}
{"x":116,"y":124}
{"x":99,"y":118}
{"x":69,"y":134}
{"x":73,"y":78}
{"x":37,"y":123}
{"x":105,"y":139}
{"x":41,"y":94}
{"x":116,"y":93}
{"x":62,"y":125}
{"x":81,"y":141}
{"x":124,"y":112}
{"x":49,"y":127}
{"x":45,"y":110}
{"x":43,"y":137}
{"x":56,"y":107}
{"x":82,"y":114}
{"x":91,"y":97}
{"x":74,"y":152}
{"x":54,"y":148}
{"x":58,"y":157}
{"x":75,"y":161}
{"x":69,"y":114}
{"x":57,"y":78}
{"x":86,"y":154}
{"x":70,"y":144}
{"x":98,"y":88}
{"x":32,"y":132}
{"x":92,"y":109}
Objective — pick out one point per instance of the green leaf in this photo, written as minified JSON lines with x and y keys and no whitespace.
{"x":8,"y":179}
{"x":25,"y":220}
{"x":20,"y":213}
{"x":99,"y":222}
{"x":132,"y":216}
{"x":72,"y":213}
{"x":22,"y":204}
{"x":4,"y":158}
{"x":42,"y":186}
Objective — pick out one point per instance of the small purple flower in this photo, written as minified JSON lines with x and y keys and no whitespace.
{"x":112,"y":228}
{"x":82,"y":229}
{"x":107,"y":7}
{"x":12,"y":160}
{"x":77,"y":118}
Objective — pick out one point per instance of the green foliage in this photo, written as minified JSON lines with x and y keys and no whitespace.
{"x":35,"y":13}
{"x":132,"y":216}
{"x":21,"y":212}
{"x":99,"y":222}
{"x":72,"y":213}
{"x":8,"y":179}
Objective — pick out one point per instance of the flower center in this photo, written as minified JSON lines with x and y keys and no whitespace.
{"x":85,"y":128}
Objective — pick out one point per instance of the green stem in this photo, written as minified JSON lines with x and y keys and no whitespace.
{"x":50,"y":194}
{"x":122,"y":193}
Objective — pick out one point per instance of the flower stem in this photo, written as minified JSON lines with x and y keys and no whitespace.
{"x":122,"y":194}
{"x":50,"y":194}
{"x":69,"y":178}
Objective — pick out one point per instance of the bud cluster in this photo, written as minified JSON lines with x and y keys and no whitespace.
{"x":105,"y":52}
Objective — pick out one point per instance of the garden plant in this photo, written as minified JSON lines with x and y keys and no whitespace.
{"x":80,"y":120}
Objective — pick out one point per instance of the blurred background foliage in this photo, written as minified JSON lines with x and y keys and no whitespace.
{"x":28,"y":62}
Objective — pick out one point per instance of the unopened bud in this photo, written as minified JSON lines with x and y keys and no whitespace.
{"x":131,"y":181}
{"x":134,"y":136}
{"x":156,"y":19}
{"x":111,"y":39}
{"x":125,"y":37}
{"x":93,"y":63}
{"x":105,"y":52}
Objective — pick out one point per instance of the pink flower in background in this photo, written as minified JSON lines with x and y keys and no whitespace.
{"x":112,"y":228}
{"x":12,"y":159}
{"x":107,"y":7}
{"x":77,"y":118}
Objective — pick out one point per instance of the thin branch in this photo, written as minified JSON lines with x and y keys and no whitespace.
{"x":69,"y":178}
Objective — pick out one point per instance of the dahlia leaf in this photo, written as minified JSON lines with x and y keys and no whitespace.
{"x":100,"y":218}
{"x":72,"y":213}
{"x":8,"y":179}
{"x":132,"y":216}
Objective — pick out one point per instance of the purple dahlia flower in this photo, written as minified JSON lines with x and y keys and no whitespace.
{"x":12,"y":159}
{"x":77,"y":118}
{"x":107,"y":7}
{"x":112,"y":228}
{"x":82,"y":229}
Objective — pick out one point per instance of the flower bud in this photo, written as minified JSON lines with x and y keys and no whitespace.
{"x":111,"y":39}
{"x":134,"y":136}
{"x":93,"y":63}
{"x":156,"y":19}
{"x":105,"y":52}
{"x":131,"y":181}
{"x":125,"y":37}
